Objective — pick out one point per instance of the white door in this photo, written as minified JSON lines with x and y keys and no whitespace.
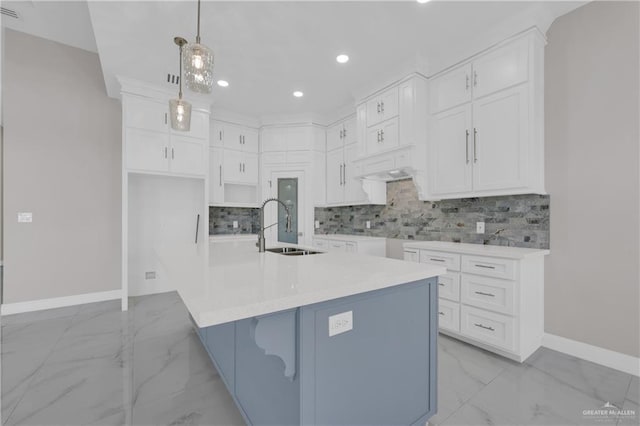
{"x":349,"y":131}
{"x":451,"y":89}
{"x":146,"y":114}
{"x":250,"y":140}
{"x":188,"y":156}
{"x":335,"y":165}
{"x":232,"y":136}
{"x":305,"y":211}
{"x":199,"y":127}
{"x":147,"y":151}
{"x":353,"y":192}
{"x":334,"y":137}
{"x":502,"y":68}
{"x":500,"y":140}
{"x":389,"y":134}
{"x":450,"y":151}
{"x":250,"y":173}
{"x":232,"y":168}
{"x":216,"y":184}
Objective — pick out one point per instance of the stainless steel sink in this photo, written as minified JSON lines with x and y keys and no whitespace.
{"x":292,"y":251}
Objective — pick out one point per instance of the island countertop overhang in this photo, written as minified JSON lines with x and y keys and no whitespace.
{"x":237,"y":282}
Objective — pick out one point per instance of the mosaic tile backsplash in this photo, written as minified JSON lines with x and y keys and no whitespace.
{"x":221,"y":220}
{"x":517,"y":220}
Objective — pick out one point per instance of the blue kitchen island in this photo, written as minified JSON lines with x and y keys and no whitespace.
{"x":325,"y":339}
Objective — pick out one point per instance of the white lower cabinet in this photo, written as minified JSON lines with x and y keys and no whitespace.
{"x":372,"y":246}
{"x":493,"y":300}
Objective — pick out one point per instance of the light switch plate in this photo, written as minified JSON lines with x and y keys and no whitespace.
{"x":317,"y":224}
{"x":235,"y":224}
{"x":368,"y":224}
{"x":479,"y":227}
{"x":25,"y":217}
{"x":340,"y":323}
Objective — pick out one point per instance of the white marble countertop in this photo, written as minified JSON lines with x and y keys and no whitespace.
{"x":345,"y":237}
{"x":476,"y":249}
{"x":237,"y":282}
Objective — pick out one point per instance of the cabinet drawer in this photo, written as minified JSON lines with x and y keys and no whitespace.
{"x":488,"y":293}
{"x":449,"y":286}
{"x":411,"y":255}
{"x":449,"y":315}
{"x":488,"y":327}
{"x":320,"y":243}
{"x":489,"y":266}
{"x":337,"y":246}
{"x":449,"y":260}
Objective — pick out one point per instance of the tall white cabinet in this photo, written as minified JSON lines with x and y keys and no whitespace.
{"x":486,"y":130}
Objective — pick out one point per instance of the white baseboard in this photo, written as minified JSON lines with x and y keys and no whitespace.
{"x":595,"y":354}
{"x":58,"y":302}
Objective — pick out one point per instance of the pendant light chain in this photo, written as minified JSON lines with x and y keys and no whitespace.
{"x":198,"y":32}
{"x":180,"y":75}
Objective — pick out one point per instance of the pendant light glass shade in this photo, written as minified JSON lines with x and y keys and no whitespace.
{"x":179,"y":109}
{"x":198,"y":64}
{"x":180,"y":114}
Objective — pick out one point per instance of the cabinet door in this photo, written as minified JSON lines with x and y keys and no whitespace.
{"x":250,"y":173}
{"x":250,"y":140}
{"x":450,"y":153}
{"x":216,"y":184}
{"x":451,"y":89}
{"x":382,"y":137}
{"x":353,"y":192}
{"x":147,"y":151}
{"x":502,"y":68}
{"x":232,"y":167}
{"x":146,"y":114}
{"x":335,"y":164}
{"x":188,"y":156}
{"x":349,"y":131}
{"x":334,"y":137}
{"x":216,"y":134}
{"x":382,"y":107}
{"x":232,"y":136}
{"x":199,"y":126}
{"x":500,"y":140}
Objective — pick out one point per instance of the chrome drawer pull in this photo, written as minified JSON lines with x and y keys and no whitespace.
{"x":441,"y":313}
{"x":440,"y":284}
{"x":485,"y":266}
{"x":436,"y":260}
{"x":485,"y":294}
{"x":485,"y":327}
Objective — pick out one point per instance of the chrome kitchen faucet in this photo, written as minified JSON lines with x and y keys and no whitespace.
{"x":261,"y":240}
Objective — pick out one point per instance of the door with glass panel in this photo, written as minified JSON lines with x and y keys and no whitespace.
{"x":288,"y":193}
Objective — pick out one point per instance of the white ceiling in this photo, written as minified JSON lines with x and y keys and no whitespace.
{"x":266,"y":50}
{"x":65,"y":22}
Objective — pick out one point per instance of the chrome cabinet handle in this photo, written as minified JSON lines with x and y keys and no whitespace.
{"x":165,"y":118}
{"x":340,"y":174}
{"x":243,"y":167}
{"x":485,"y":294}
{"x":441,"y":285}
{"x":485,"y":266}
{"x":436,"y":260}
{"x":344,"y":133}
{"x":475,"y":145}
{"x":485,"y":327}
{"x":220,"y":134}
{"x":382,"y":107}
{"x":381,"y":135}
{"x":378,"y":136}
{"x":344,"y":174}
{"x":173,"y":154}
{"x":340,"y":134}
{"x":240,"y":167}
{"x":378,"y":107}
{"x":220,"y":181}
{"x":466,"y":151}
{"x":475,"y":79}
{"x":467,"y":85}
{"x":165,"y":152}
{"x":441,"y":313}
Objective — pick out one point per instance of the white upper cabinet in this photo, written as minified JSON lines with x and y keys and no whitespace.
{"x":450,"y":151}
{"x":382,"y":107}
{"x":501,"y":68}
{"x":491,"y":141}
{"x":151,"y":146}
{"x":233,"y":136}
{"x":216,"y":180}
{"x":335,"y":165}
{"x":383,"y":136}
{"x":451,"y":89}
{"x":353,"y":192}
{"x":240,"y":167}
{"x":341,"y":134}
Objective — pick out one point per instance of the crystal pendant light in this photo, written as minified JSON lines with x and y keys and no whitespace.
{"x":198,"y":64}
{"x":180,"y":110}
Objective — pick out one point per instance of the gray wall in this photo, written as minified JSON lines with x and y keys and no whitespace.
{"x":221,"y":220}
{"x":592,"y":138}
{"x":517,"y":221}
{"x":62,"y":161}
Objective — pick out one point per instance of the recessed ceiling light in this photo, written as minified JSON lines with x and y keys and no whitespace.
{"x":223,"y":83}
{"x":298,"y":94}
{"x":342,"y":59}
{"x":422,"y":1}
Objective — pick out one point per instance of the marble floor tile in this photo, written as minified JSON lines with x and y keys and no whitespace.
{"x":158,"y":315}
{"x":601,"y":383}
{"x":206,"y":404}
{"x":634,"y":390}
{"x":166,"y":365}
{"x":630,"y":414}
{"x":46,"y":315}
{"x":529,"y":396}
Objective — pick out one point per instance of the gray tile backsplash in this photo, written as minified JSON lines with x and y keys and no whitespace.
{"x":517,"y":220}
{"x":221,"y":220}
